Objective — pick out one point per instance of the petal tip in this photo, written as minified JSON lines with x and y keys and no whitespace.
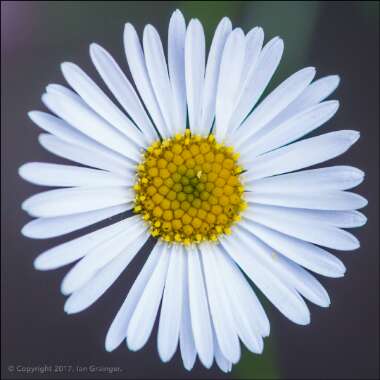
{"x":149,"y":29}
{"x":178,"y":13}
{"x":188,"y":366}
{"x":25,"y":231}
{"x":129,"y":31}
{"x":335,"y":79}
{"x":335,"y":104}
{"x":132,"y":346}
{"x":66,"y":308}
{"x":95,"y":48}
{"x":109,"y":347}
{"x":67,"y":67}
{"x":226,"y":22}
{"x":354,"y":136}
{"x":65,"y":290}
{"x":111,"y":343}
{"x":71,"y":308}
{"x":311,"y":69}
{"x":33,"y":115}
{"x":38,"y":263}
{"x":360,"y":218}
{"x":22,"y":169}
{"x":25,"y":205}
{"x":342,"y":270}
{"x":325,"y":304}
{"x":164,"y":356}
{"x":279,"y":41}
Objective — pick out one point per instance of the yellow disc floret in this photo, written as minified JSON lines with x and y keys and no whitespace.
{"x":188,"y":189}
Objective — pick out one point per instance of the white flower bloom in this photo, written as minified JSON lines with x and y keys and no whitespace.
{"x":219,"y":196}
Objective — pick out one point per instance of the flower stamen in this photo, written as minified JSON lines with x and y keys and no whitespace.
{"x":188,"y":189}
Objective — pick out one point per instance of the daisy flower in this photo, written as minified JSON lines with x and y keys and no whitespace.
{"x":209,"y":173}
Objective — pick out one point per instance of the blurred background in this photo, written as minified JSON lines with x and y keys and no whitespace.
{"x":335,"y":37}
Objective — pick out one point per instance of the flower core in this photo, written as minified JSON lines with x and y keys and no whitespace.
{"x":188,"y":189}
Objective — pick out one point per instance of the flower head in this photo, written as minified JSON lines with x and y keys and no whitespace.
{"x":189,"y":189}
{"x":221,"y":196}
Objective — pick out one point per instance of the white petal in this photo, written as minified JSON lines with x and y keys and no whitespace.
{"x":306,"y":254}
{"x":122,"y":89}
{"x":118,"y":329}
{"x":259,"y":75}
{"x":104,"y":278}
{"x":273,"y":104}
{"x":290,"y":273}
{"x":186,"y":339}
{"x":224,"y":364}
{"x":59,"y":128}
{"x":137,"y":66}
{"x":102,"y":254}
{"x":322,"y":234}
{"x":45,"y":228}
{"x":305,"y":283}
{"x":176,"y":64}
{"x":194,"y":72}
{"x":62,"y":90}
{"x":221,"y":314}
{"x":144,"y":315}
{"x":73,"y":110}
{"x":171,"y":308}
{"x":62,"y":202}
{"x":254,"y":43}
{"x":68,"y":134}
{"x":200,"y":317}
{"x":311,"y":217}
{"x":328,"y":200}
{"x":343,"y":219}
{"x":231,"y":70}
{"x":258,"y":268}
{"x":73,"y":250}
{"x":292,"y":129}
{"x":212,"y":74}
{"x":46,"y":174}
{"x":84,"y":156}
{"x":239,"y":294}
{"x":330,"y":178}
{"x":242,"y":296}
{"x":300,"y":154}
{"x":158,"y":73}
{"x":100,"y":103}
{"x":313,"y":94}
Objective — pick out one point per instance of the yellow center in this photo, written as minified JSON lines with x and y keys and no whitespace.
{"x":188,"y":189}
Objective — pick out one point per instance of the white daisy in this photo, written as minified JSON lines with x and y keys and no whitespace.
{"x":218,"y":197}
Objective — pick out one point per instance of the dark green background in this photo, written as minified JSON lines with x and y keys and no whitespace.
{"x":336,"y":37}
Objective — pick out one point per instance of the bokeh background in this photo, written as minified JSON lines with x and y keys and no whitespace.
{"x":335,"y":37}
